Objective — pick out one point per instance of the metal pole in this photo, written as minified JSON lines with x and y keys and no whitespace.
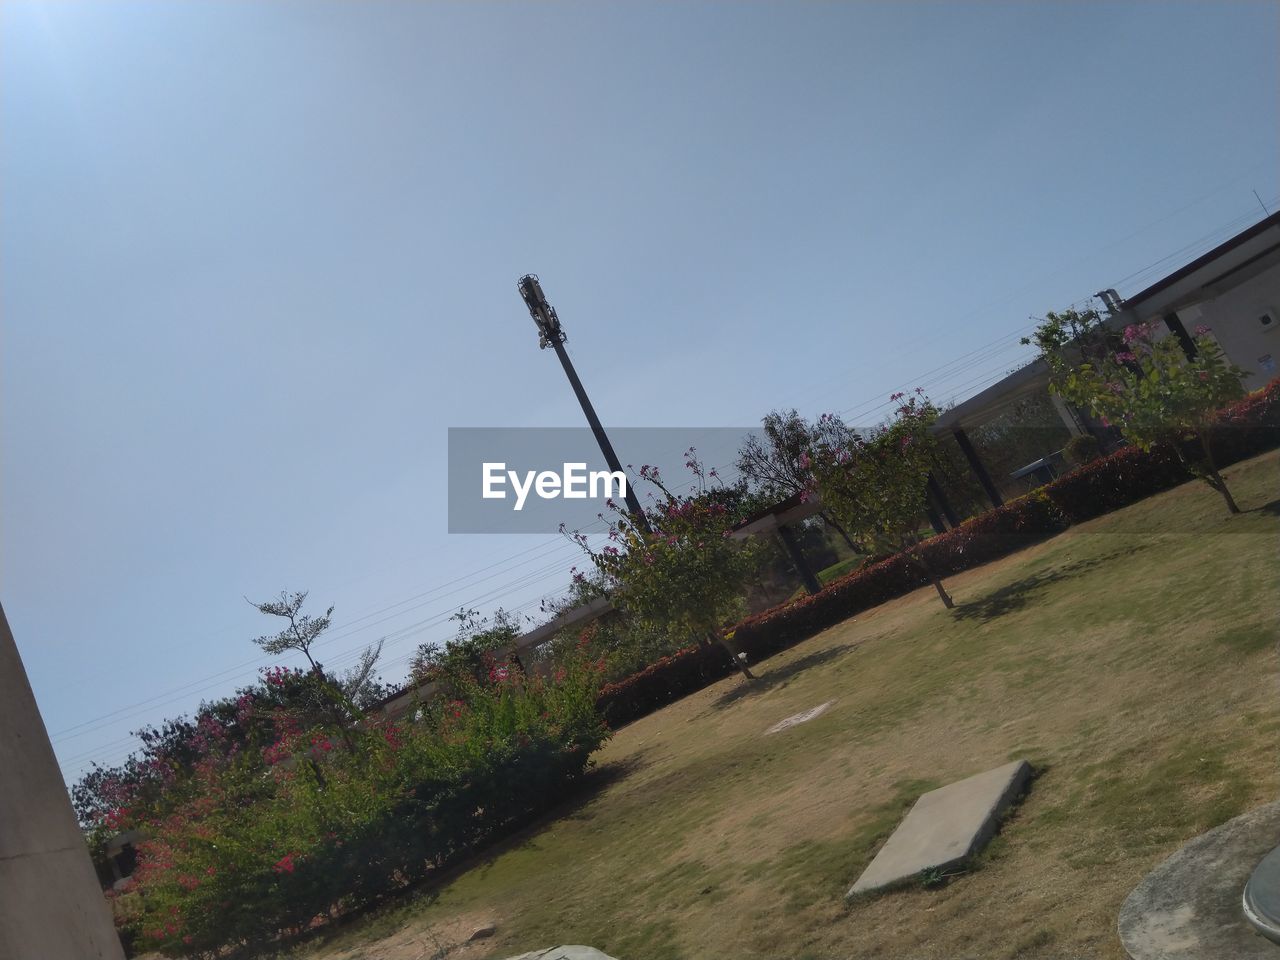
{"x":550,"y":334}
{"x":976,"y":465}
{"x":602,"y":438}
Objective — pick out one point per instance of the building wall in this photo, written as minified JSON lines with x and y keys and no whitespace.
{"x":51,"y":907}
{"x":1233,"y":318}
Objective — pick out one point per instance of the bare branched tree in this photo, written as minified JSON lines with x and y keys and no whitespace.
{"x":303,"y":629}
{"x":300,"y":635}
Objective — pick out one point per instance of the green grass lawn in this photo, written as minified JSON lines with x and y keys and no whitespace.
{"x":1132,"y":660}
{"x":838,"y":569}
{"x":833,"y":572}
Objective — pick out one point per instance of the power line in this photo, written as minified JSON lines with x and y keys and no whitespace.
{"x":398,"y":636}
{"x":196,"y":686}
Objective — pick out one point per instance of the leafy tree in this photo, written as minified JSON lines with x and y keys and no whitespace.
{"x":878,"y":486}
{"x":1145,"y":386}
{"x":478,"y":640}
{"x":774,"y":465}
{"x":684,"y":576}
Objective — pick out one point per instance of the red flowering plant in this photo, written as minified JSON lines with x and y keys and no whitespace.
{"x":1145,"y":385}
{"x":678,"y":569}
{"x":477,"y":647}
{"x":250,"y":845}
{"x":877,"y":486}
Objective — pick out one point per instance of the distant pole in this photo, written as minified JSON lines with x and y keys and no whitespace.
{"x":551,"y":335}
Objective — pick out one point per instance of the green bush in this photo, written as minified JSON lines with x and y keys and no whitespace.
{"x":251,"y":846}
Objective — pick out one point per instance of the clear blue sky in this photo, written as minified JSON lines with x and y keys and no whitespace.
{"x":256,"y":258}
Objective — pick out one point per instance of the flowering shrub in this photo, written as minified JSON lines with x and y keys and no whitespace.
{"x":248,"y":845}
{"x":877,"y":487}
{"x":1147,"y":387}
{"x":676,"y":568}
{"x":1244,"y":429}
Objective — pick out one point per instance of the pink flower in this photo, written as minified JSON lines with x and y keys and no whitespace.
{"x":1201,"y":330}
{"x":285,"y":864}
{"x":1130,"y":333}
{"x":1126,"y":357}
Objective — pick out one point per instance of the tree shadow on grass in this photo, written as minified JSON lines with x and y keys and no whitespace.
{"x":780,"y":676}
{"x":1272,"y":508}
{"x":1020,"y":593}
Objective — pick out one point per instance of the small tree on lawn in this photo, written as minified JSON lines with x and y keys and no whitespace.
{"x":1146,"y":387}
{"x":686,"y":575}
{"x":774,"y":464}
{"x":877,"y":487}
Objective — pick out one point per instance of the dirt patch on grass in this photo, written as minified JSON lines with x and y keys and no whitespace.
{"x":443,"y":938}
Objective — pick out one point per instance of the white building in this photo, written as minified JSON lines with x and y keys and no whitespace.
{"x":1234,"y":289}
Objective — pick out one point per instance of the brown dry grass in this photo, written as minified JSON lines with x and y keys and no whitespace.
{"x":1131,"y":660}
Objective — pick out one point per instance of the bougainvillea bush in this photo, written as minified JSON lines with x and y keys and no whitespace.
{"x":676,"y":569}
{"x":1145,"y":385}
{"x":253,"y":842}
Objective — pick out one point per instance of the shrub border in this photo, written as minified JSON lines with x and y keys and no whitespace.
{"x":1243,"y":430}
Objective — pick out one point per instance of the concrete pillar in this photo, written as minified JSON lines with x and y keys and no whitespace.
{"x":51,"y":906}
{"x":1067,"y":416}
{"x":978,"y":468}
{"x":811,"y":581}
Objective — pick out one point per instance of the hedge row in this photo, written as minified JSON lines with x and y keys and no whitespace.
{"x":1245,"y":429}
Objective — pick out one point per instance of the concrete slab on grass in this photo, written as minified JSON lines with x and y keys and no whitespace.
{"x":946,"y":826}
{"x":567,"y":952}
